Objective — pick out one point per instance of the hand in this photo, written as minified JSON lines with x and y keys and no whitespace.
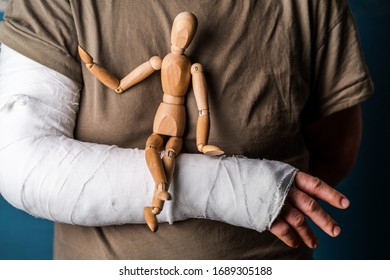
{"x":301,"y":202}
{"x":210,"y":150}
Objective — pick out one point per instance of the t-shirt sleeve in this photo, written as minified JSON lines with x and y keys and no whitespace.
{"x":45,"y":32}
{"x":340,"y":78}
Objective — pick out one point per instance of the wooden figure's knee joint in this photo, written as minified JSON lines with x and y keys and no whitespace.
{"x":154,"y":141}
{"x":173,"y":147}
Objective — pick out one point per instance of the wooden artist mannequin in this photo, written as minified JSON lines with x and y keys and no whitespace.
{"x":170,"y":119}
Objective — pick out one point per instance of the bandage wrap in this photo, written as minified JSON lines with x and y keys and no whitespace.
{"x":47,"y":173}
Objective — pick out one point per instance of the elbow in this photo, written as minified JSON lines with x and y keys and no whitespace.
{"x":345,"y":165}
{"x":333,"y":169}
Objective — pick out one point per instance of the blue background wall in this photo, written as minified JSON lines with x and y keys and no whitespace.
{"x":364,"y":224}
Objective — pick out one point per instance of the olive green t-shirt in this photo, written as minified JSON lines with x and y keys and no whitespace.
{"x":270,"y":66}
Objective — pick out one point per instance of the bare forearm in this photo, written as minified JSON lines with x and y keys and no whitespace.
{"x":333,"y":144}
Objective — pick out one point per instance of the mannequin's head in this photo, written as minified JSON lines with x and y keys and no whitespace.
{"x":183,"y":30}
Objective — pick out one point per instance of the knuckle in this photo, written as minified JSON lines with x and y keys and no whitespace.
{"x":316,"y":183}
{"x":329,"y":223}
{"x":283,"y":230}
{"x":280,"y":229}
{"x":299,"y":221}
{"x":312,"y":205}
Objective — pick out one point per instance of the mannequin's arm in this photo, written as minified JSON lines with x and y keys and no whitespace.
{"x":137,"y":75}
{"x":47,"y":173}
{"x":203,"y":125}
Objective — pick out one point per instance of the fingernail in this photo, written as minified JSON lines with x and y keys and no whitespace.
{"x":345,"y":202}
{"x":336,"y":231}
{"x":314,"y":245}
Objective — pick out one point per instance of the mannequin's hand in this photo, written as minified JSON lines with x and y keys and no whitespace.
{"x":301,"y":201}
{"x":211,"y":150}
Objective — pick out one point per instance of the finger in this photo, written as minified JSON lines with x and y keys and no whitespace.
{"x":284,"y":232}
{"x":297,"y":221}
{"x":311,"y":208}
{"x":318,"y":188}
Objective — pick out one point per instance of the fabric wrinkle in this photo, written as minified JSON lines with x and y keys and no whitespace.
{"x":85,"y":182}
{"x":243,"y":185}
{"x":26,"y":205}
{"x":206,"y":210}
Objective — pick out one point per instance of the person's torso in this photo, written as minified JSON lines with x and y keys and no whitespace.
{"x":256,"y":60}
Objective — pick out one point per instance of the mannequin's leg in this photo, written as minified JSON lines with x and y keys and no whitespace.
{"x":154,"y":162}
{"x":172,"y":149}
